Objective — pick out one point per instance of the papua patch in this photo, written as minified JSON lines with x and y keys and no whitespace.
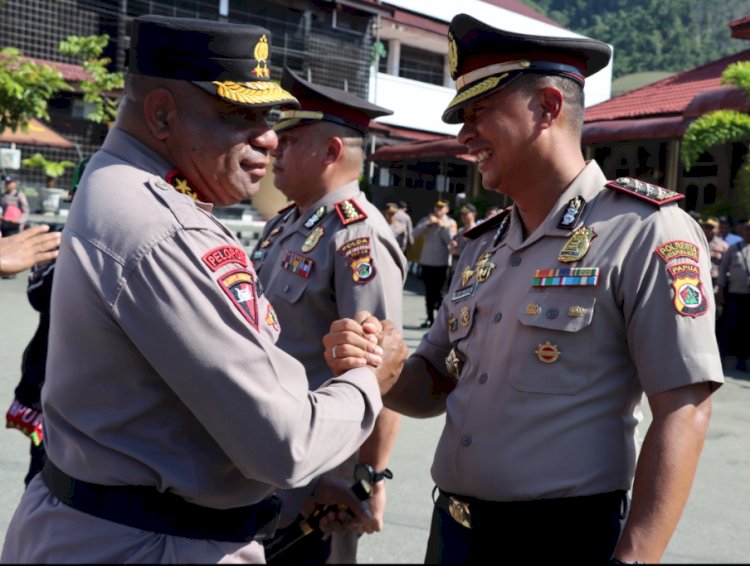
{"x":689,"y":299}
{"x":240,"y":287}
{"x":678,"y":248}
{"x":298,"y":264}
{"x":358,"y":253}
{"x":223,"y":255}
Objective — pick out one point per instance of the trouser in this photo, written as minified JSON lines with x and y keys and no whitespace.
{"x":577,"y":530}
{"x":434,"y":277}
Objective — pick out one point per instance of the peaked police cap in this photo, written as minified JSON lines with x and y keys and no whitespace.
{"x":325,"y":103}
{"x":230,"y":61}
{"x":484,"y":59}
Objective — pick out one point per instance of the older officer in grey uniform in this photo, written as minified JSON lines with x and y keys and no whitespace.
{"x":562,"y":314}
{"x":170,"y":415}
{"x":329,"y":255}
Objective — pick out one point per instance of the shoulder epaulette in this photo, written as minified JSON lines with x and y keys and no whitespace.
{"x":486,"y":225}
{"x":349,"y":211}
{"x":653,"y":194}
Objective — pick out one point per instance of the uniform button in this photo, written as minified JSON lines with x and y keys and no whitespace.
{"x":498,"y":317}
{"x":465,"y":440}
{"x":515,"y":260}
{"x":483,"y":378}
{"x":553,"y":313}
{"x":286,"y":288}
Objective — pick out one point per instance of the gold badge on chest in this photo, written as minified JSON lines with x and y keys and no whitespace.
{"x":577,"y":245}
{"x":313,"y":239}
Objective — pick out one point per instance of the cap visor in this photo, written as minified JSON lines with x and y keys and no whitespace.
{"x":453,"y":114}
{"x":253,"y":94}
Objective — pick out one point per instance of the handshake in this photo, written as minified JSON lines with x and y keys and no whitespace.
{"x":366,"y":341}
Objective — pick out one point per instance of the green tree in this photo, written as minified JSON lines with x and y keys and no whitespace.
{"x":721,"y":127}
{"x":25,"y":88}
{"x":52,"y":169}
{"x":103,"y":89}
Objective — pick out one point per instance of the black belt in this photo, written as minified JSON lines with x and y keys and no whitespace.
{"x":472,"y":512}
{"x":148,"y":509}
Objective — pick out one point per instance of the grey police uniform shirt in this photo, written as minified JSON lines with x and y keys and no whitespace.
{"x":163,"y":368}
{"x":435,"y":240}
{"x":555,"y":363}
{"x":323,"y":266}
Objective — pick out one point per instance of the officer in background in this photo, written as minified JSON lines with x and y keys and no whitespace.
{"x":564,"y":311}
{"x":436,"y":231}
{"x":734,"y":296}
{"x":329,"y":255}
{"x":170,"y":415}
{"x":468,"y":214}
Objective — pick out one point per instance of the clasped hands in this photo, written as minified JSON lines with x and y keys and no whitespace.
{"x":366,"y":341}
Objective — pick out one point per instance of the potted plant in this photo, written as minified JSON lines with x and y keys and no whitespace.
{"x":50,"y":196}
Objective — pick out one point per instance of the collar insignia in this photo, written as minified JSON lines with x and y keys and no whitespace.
{"x":315,"y":217}
{"x":181,"y":184}
{"x":572,"y":213}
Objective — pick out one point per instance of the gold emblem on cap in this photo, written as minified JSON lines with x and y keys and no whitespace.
{"x":575,"y":311}
{"x":313,"y":239}
{"x":577,"y":245}
{"x":452,"y":54}
{"x":261,"y":55}
{"x":533,"y":309}
{"x":547,"y":353}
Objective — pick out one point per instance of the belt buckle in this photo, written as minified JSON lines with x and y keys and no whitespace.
{"x":460,"y":512}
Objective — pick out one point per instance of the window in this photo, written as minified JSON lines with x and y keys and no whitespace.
{"x":420,"y":65}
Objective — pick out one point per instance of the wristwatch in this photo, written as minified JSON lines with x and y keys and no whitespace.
{"x":365,"y":472}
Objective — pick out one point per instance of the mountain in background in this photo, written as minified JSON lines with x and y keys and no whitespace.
{"x":653,"y":35}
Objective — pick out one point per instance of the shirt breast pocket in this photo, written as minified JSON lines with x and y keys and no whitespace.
{"x":553,"y":349}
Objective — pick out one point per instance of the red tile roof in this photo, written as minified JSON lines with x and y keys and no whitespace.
{"x":37,"y":134}
{"x":72,"y":73}
{"x":447,"y":147}
{"x":669,"y":96}
{"x":740,"y":27}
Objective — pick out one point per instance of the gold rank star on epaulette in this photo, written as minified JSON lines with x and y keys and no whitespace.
{"x":349,"y":211}
{"x":653,"y":194}
{"x":180,"y":183}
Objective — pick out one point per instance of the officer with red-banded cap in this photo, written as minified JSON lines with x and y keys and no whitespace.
{"x":327,"y":256}
{"x":563,"y":312}
{"x":170,"y":415}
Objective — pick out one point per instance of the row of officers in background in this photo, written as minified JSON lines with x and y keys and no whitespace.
{"x":200,"y":405}
{"x":730,"y":275}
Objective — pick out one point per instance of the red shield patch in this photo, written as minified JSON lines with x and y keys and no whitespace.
{"x":240,"y":287}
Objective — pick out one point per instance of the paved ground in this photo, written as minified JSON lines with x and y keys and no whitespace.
{"x":714,"y":528}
